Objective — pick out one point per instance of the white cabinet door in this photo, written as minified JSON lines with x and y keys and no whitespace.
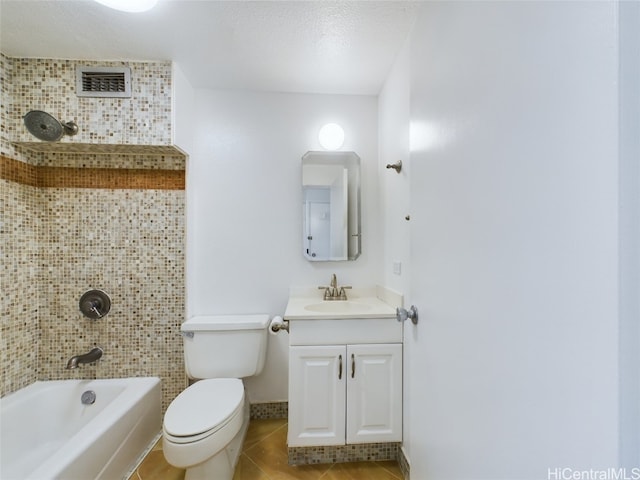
{"x":317,"y":395}
{"x":374,"y":393}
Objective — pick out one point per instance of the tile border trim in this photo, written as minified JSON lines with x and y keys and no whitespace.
{"x":99,"y":178}
{"x":18,"y":172}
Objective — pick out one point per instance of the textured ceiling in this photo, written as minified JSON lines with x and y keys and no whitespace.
{"x":285,"y":46}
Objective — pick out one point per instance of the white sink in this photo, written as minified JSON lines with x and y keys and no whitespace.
{"x":338,"y":306}
{"x":308,"y":304}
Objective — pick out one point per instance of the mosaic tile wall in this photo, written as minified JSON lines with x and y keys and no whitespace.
{"x":59,"y":242}
{"x":19,"y":260}
{"x":6,"y":73}
{"x":114,"y":222}
{"x":49,"y":85}
{"x":7,"y":122}
{"x":129,"y":244}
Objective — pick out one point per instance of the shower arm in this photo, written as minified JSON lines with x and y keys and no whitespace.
{"x":70,"y":128}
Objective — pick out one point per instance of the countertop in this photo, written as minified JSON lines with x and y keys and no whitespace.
{"x":307,"y":303}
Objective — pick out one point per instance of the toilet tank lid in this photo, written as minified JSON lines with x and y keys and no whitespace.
{"x":226,"y":322}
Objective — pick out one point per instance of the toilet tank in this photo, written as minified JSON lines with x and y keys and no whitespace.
{"x":225,"y":346}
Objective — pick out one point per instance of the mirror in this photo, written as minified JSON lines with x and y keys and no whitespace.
{"x":331,"y":206}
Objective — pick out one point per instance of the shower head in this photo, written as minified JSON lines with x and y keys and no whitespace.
{"x":46,"y":127}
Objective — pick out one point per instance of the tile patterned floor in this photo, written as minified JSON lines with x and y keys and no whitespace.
{"x":264,"y":457}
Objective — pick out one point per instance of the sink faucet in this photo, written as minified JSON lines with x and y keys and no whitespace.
{"x":333,"y":292}
{"x":89,"y":357}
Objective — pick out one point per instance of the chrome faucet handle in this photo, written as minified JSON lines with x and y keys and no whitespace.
{"x":327,"y":292}
{"x":342,"y":294}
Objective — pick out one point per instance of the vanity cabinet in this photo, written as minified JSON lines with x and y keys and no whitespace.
{"x":345,"y":371}
{"x":345,"y":394}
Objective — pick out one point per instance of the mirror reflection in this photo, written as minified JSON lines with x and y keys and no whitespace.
{"x":331,"y":206}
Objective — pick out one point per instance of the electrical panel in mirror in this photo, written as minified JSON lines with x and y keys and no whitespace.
{"x":331,"y":229}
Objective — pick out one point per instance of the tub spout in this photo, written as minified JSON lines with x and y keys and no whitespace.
{"x":90,"y":357}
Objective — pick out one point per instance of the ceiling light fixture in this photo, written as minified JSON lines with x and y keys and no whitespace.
{"x":129,"y":5}
{"x":331,"y":136}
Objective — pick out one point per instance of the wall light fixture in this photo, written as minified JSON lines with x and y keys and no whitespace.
{"x":129,"y":5}
{"x":331,"y":136}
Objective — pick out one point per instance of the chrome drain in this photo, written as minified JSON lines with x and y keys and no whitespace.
{"x":88,"y":397}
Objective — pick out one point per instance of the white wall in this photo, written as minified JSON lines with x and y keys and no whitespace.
{"x":630,"y":234}
{"x":182,"y":109}
{"x":514,"y":229}
{"x":393,"y":145}
{"x":244,"y":207}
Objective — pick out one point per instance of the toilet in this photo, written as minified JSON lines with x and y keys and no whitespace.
{"x":205,"y":425}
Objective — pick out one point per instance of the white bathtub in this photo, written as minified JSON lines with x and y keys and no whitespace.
{"x":47,"y":433}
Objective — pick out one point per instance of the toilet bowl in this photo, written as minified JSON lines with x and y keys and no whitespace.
{"x":205,"y":425}
{"x":200,"y":425}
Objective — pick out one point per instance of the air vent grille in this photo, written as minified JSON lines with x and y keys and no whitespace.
{"x":103,"y":82}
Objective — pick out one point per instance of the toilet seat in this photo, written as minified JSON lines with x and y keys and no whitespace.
{"x":202,"y":409}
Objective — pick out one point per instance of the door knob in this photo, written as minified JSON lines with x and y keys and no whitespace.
{"x":402,"y":314}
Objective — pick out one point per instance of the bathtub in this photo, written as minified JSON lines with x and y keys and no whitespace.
{"x":46,"y":432}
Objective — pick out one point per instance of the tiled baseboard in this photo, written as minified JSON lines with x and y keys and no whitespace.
{"x":403,"y":463}
{"x":365,"y":452}
{"x":270,"y":410}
